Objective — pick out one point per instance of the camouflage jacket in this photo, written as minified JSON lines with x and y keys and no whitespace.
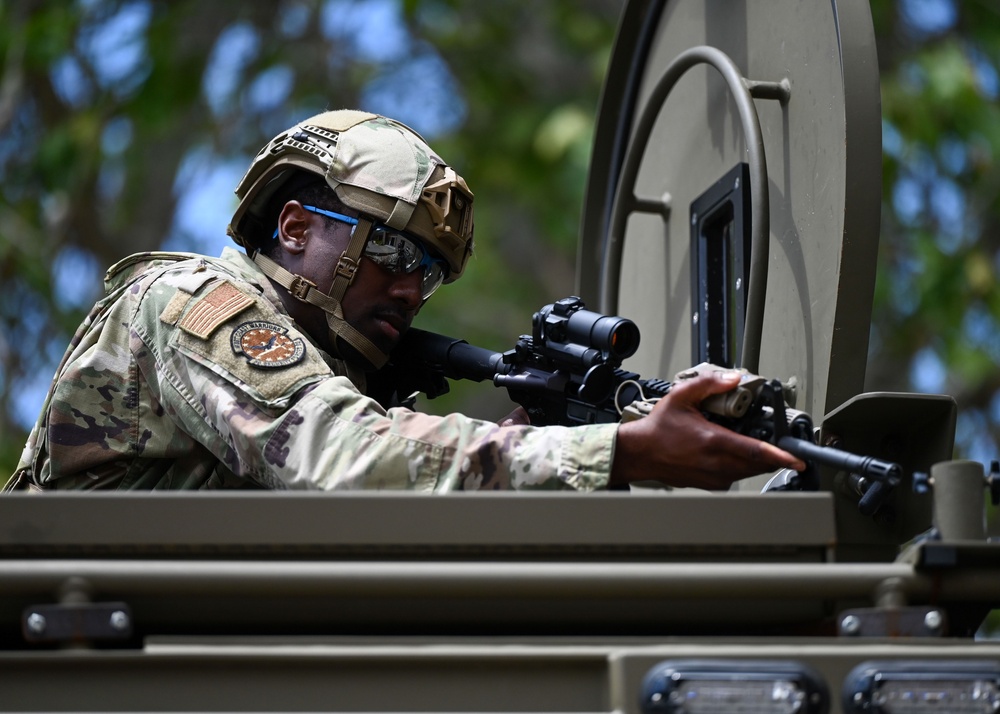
{"x":190,"y":374}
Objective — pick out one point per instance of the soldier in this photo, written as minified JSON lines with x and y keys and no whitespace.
{"x":250,"y":370}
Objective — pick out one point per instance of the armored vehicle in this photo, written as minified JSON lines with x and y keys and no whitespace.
{"x":732,"y":211}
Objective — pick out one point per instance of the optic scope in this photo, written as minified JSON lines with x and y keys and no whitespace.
{"x":566,"y":326}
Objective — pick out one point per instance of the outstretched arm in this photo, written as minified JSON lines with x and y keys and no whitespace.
{"x":677,"y":445}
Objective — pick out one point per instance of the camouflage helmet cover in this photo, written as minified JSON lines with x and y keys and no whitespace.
{"x":375,"y":165}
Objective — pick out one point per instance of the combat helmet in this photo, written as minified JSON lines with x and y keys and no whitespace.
{"x":379,"y":167}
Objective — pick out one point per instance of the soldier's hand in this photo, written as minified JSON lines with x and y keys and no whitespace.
{"x":677,"y":445}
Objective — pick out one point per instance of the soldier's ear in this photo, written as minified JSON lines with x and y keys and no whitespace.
{"x":293,"y":223}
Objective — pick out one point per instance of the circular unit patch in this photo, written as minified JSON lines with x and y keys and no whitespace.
{"x":267,"y":345}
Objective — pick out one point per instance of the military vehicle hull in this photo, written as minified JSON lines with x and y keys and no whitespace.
{"x":474,"y":602}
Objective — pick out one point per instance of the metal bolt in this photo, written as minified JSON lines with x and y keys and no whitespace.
{"x":850,"y":625}
{"x":36,"y":623}
{"x":933,"y":620}
{"x":119,"y":620}
{"x":694,"y":319}
{"x":694,"y":219}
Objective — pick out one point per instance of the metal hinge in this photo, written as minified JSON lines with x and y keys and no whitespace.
{"x":920,"y":621}
{"x":76,"y":622}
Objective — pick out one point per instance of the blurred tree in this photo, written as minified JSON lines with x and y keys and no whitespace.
{"x":937,"y":307}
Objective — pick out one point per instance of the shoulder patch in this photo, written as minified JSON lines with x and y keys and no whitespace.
{"x":267,"y":345}
{"x":215,"y":307}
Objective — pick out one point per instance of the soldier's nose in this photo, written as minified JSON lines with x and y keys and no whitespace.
{"x":406,"y":287}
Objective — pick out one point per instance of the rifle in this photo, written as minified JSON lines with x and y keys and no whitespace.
{"x":568,"y":372}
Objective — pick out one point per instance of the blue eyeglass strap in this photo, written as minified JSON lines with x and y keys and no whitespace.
{"x":329,"y":214}
{"x":335,"y":216}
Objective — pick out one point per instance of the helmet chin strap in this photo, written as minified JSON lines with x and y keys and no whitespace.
{"x":306,"y":291}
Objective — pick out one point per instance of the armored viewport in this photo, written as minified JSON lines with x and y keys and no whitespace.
{"x":732,"y":212}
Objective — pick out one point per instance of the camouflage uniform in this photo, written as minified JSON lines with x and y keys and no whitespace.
{"x":190,"y":374}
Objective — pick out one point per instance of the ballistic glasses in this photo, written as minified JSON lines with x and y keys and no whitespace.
{"x":396,"y":252}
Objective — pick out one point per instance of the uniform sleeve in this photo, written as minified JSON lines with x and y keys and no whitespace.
{"x":237,"y":376}
{"x":333,"y":437}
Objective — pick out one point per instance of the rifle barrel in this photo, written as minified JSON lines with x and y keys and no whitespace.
{"x":456,"y":358}
{"x":866,"y":466}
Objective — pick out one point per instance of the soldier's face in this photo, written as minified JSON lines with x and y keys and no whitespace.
{"x":379,"y":304}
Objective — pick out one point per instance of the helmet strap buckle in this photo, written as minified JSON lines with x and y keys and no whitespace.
{"x":300,"y":287}
{"x":346,"y":268}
